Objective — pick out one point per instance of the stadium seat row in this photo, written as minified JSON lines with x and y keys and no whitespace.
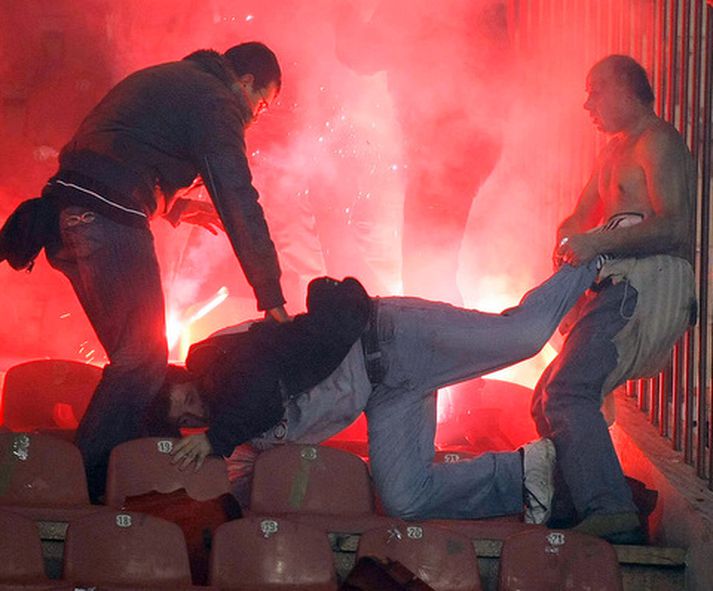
{"x":305,"y":490}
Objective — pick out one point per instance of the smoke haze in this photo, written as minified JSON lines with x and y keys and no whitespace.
{"x":379,"y":99}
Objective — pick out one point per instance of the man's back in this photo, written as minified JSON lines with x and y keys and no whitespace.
{"x":153,"y":120}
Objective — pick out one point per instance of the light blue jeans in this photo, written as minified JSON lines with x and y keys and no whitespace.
{"x":115,"y":274}
{"x":428,"y":345}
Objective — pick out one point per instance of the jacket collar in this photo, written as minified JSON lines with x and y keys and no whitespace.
{"x":213,"y":63}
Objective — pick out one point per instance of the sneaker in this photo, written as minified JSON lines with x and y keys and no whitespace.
{"x":538,"y":467}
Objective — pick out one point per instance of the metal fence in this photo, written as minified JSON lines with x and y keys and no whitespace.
{"x":673,"y":40}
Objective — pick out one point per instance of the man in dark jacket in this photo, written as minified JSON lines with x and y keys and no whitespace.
{"x":153,"y":134}
{"x":305,"y":381}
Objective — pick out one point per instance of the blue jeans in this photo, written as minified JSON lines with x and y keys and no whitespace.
{"x":115,"y":274}
{"x":427,"y":345}
{"x":567,"y":404}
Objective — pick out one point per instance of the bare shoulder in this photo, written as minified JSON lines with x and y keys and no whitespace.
{"x":661,"y":144}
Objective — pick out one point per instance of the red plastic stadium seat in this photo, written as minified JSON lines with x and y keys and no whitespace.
{"x":21,"y":563}
{"x":42,"y":477}
{"x":441,"y":558}
{"x":144,"y":465}
{"x":47,"y":394}
{"x":125,"y":549}
{"x":542,"y":560}
{"x":258,"y":553}
{"x":321,"y":486}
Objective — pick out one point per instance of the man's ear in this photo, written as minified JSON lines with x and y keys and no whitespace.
{"x":246,"y":79}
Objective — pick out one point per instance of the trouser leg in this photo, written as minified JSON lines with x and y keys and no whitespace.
{"x":567,"y":405}
{"x":427,"y":345}
{"x":114,"y":272}
{"x":401,"y":430}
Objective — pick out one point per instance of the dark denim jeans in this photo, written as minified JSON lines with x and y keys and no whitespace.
{"x":115,"y":274}
{"x":568,"y":399}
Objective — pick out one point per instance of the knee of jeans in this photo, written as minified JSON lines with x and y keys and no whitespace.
{"x":531,"y":337}
{"x":563,"y":398}
{"x":405,"y":503}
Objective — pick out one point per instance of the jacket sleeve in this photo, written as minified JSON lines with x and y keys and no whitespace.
{"x":217,"y":140}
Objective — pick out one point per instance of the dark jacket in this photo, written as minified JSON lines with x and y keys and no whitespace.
{"x":248,"y":377}
{"x":151,"y":135}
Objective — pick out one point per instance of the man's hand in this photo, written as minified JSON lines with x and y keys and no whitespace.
{"x":576,"y":250}
{"x":278,"y":314}
{"x":193,"y":448}
{"x":202,"y":213}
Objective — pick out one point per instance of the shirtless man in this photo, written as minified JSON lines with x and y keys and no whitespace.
{"x":636,"y":208}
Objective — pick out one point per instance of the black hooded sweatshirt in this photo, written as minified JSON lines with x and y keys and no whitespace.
{"x":247,"y":378}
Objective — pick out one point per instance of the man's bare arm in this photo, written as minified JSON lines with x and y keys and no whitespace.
{"x":586,"y":214}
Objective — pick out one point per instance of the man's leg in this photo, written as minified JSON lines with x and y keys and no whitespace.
{"x":438,"y":344}
{"x":567,"y":405}
{"x":402,"y":426}
{"x":426,"y":345}
{"x":115,"y":274}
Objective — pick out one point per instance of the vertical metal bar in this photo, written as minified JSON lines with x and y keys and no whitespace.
{"x":661,"y":62}
{"x":683,"y":81}
{"x":673,"y":63}
{"x":705,"y":243}
{"x":664,"y":384}
{"x":653,"y":384}
{"x":677,"y":398}
{"x":644,"y":395}
{"x":690,"y":404}
{"x":683,"y":127}
{"x":650,"y":20}
{"x":692,"y":391}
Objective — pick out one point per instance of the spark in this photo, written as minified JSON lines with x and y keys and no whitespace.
{"x":218,"y":299}
{"x":177,"y":327}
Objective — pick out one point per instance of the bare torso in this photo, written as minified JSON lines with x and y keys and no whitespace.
{"x":624,"y":167}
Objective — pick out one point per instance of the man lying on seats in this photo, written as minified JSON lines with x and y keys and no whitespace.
{"x":304,"y":381}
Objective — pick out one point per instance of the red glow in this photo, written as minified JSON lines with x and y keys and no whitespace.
{"x":331,"y":157}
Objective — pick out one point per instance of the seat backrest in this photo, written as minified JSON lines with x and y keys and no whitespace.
{"x":37,"y":394}
{"x":125,"y":548}
{"x":446,"y":456}
{"x":311,"y":479}
{"x":41,"y":470}
{"x":256,"y":553}
{"x":20,"y":550}
{"x":542,"y":559}
{"x":144,"y":465}
{"x":441,"y":558}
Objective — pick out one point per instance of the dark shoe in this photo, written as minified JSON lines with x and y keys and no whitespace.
{"x":617,"y":528}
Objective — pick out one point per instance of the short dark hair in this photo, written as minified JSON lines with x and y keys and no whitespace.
{"x":631,"y":73}
{"x":156,"y":421}
{"x":257,"y":59}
